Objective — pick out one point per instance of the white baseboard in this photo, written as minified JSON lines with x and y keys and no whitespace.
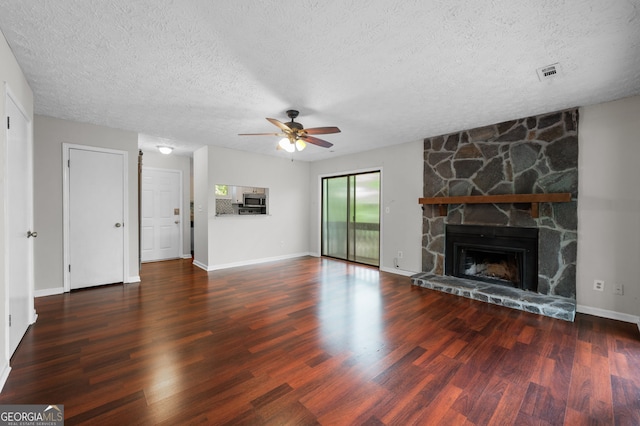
{"x":186,"y":256}
{"x":60,"y":290}
{"x":255,"y":261}
{"x":397,"y":271}
{"x":604,"y":313}
{"x":48,"y":292}
{"x":200,"y":265}
{"x":4,"y":375}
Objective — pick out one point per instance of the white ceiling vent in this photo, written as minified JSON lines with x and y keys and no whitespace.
{"x":549,"y":72}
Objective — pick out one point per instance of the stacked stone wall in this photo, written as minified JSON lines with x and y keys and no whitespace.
{"x":531,"y":155}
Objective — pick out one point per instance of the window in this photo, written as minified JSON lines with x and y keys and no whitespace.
{"x":222,"y":190}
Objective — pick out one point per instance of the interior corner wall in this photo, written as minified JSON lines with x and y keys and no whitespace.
{"x":283,"y":233}
{"x":14,"y":80}
{"x":182,"y":163}
{"x":609,"y":208}
{"x":49,"y":135}
{"x":201,"y":208}
{"x":401,"y":215}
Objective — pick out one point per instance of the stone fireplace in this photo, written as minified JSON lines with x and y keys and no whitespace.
{"x":533,"y":155}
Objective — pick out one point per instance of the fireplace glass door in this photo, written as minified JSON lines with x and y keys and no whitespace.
{"x":351,"y":217}
{"x":496,"y":254}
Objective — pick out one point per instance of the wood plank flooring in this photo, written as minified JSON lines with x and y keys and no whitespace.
{"x":316,"y":341}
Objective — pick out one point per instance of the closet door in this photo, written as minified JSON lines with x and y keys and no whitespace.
{"x":94,"y":218}
{"x":19,"y":232}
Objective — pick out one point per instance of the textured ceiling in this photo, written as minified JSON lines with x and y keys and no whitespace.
{"x":195,"y":72}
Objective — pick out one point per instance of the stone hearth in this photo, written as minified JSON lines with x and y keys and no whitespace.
{"x":552,"y":306}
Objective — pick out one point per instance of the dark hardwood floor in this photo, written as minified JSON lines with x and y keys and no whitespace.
{"x":316,"y":341}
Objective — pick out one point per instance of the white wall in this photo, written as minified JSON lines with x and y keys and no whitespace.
{"x":49,"y":135}
{"x":401,"y":216}
{"x":609,"y":208}
{"x":176,"y":162}
{"x":201,"y":207}
{"x":14,"y":80}
{"x":241,"y":240}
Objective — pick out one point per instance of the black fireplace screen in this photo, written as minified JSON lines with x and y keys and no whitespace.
{"x":495,"y":254}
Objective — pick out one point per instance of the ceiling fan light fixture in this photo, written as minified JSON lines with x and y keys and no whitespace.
{"x":165,"y":150}
{"x":296,"y":137}
{"x":287,"y":145}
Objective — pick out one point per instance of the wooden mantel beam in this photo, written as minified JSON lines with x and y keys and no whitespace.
{"x":533,"y":199}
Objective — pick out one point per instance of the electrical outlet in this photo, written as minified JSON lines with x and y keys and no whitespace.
{"x":618,"y":289}
{"x":598,"y":285}
{"x":399,"y":255}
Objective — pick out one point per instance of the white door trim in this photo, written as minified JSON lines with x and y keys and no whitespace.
{"x":66,"y":147}
{"x":180,"y":195}
{"x":10,"y":96}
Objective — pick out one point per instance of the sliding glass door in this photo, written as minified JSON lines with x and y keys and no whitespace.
{"x":351,"y":217}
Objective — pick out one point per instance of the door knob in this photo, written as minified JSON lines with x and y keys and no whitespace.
{"x":32,"y":234}
{"x":177,"y":222}
{"x":118,"y":225}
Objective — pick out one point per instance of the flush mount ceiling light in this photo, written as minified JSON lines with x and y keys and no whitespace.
{"x":165,"y":149}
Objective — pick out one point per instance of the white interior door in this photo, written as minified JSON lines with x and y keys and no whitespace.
{"x":19,"y":202}
{"x":96,"y":217}
{"x":161,"y":214}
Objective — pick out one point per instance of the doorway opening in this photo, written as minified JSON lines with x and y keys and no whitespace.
{"x":351,"y":217}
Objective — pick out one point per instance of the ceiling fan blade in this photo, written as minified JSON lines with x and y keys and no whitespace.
{"x":279,"y":124}
{"x":261,"y":134}
{"x":316,"y":141}
{"x":322,"y":130}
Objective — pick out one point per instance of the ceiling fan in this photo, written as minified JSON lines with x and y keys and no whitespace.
{"x":295,"y":136}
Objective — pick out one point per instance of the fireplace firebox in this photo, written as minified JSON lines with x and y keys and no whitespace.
{"x":495,"y":254}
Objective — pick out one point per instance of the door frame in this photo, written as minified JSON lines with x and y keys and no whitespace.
{"x":181,"y":205}
{"x":9,"y":96}
{"x":345,"y":173}
{"x":66,"y":147}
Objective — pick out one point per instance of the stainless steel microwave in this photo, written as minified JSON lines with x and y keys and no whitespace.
{"x":254,"y":200}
